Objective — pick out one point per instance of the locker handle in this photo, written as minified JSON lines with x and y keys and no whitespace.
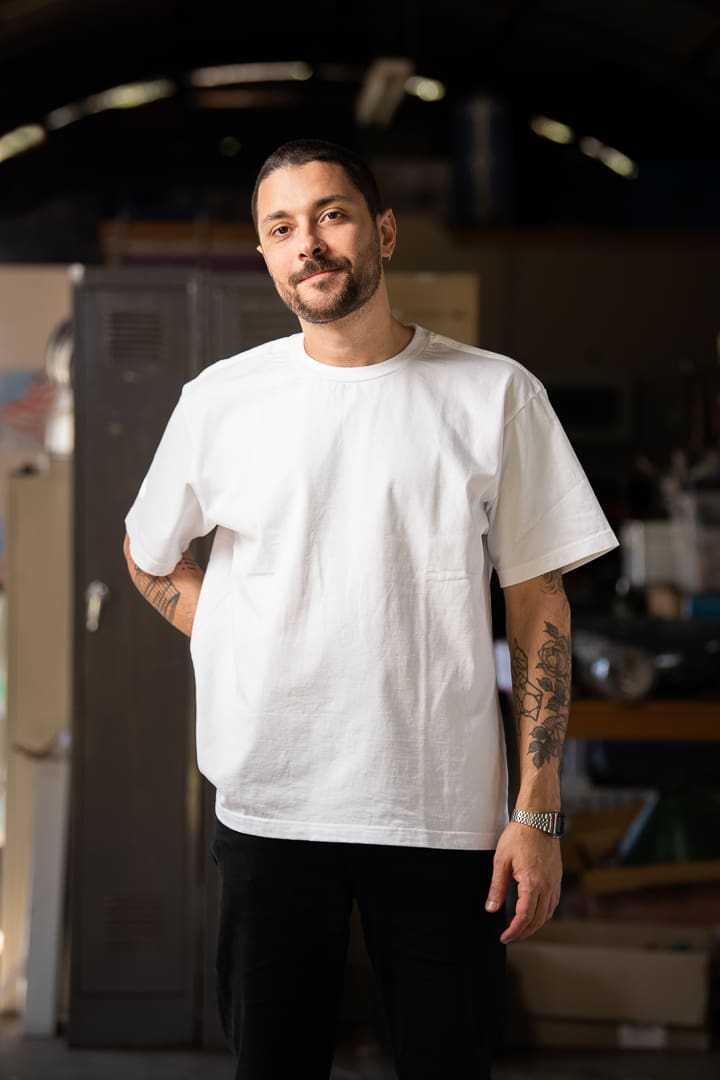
{"x":96,"y":594}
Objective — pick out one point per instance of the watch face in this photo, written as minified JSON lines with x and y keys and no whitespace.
{"x":559,"y":824}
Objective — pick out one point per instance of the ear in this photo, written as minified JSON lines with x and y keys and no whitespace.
{"x":387,"y":232}
{"x":260,"y":251}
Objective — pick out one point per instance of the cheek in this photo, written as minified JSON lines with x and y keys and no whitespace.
{"x":275,"y":269}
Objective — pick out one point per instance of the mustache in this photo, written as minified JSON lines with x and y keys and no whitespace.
{"x":316,"y":266}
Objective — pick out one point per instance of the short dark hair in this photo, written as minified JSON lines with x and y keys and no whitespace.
{"x":303,"y":151}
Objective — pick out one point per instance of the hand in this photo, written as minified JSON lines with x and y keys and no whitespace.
{"x":534,"y":860}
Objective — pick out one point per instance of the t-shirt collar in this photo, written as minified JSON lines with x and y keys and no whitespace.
{"x":366,"y":371}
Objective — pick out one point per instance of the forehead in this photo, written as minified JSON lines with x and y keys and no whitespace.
{"x":297,"y":186}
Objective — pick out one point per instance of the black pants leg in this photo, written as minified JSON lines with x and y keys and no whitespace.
{"x":436,"y":955}
{"x":284,"y":926}
{"x":282,"y":942}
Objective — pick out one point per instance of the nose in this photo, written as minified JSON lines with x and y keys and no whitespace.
{"x":311,"y":245}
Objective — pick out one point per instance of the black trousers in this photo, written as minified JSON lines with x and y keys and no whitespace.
{"x":283,"y":932}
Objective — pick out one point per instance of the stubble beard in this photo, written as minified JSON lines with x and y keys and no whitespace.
{"x":358,"y":287}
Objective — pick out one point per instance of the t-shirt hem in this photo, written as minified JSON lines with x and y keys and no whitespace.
{"x":399,"y":835}
{"x":564,"y":558}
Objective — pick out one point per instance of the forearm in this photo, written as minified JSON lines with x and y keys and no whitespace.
{"x":538,"y":629}
{"x":174,"y":596}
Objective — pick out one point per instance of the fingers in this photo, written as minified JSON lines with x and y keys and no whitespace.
{"x":535,"y":863}
{"x":525,"y":912}
{"x":532,"y":911}
{"x":498,"y":886}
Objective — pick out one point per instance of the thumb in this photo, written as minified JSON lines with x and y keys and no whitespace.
{"x":498,"y":886}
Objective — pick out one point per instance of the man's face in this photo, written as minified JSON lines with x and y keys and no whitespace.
{"x":320,"y":244}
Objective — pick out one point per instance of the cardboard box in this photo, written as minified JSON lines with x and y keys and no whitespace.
{"x":594,"y":834}
{"x":601,"y":984}
{"x":696,"y":904}
{"x":576,"y":1035}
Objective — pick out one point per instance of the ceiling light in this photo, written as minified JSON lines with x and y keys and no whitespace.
{"x":591,"y":147}
{"x":130,"y":95}
{"x":425,"y":89}
{"x":553,"y":130}
{"x":20,"y":139}
{"x":230,"y":74}
{"x":619,"y":163}
{"x":382,"y":91}
{"x":66,"y":114}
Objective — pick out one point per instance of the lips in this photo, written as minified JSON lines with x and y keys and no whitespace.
{"x":320,"y":274}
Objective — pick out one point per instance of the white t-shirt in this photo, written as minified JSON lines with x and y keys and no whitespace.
{"x":342,"y":643}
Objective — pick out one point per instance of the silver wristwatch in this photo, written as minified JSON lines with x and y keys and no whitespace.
{"x":552,"y":822}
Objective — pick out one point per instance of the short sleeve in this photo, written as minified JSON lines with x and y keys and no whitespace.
{"x":545,"y":515}
{"x":167,"y":513}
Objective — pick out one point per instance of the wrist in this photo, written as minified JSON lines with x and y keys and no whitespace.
{"x":539,"y":797}
{"x":550,"y":822}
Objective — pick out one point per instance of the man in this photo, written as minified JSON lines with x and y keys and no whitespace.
{"x":364,"y":477}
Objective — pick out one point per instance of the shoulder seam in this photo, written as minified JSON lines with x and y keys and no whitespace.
{"x":523,"y":406}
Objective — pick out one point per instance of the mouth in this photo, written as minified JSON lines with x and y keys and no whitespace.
{"x":321,"y":274}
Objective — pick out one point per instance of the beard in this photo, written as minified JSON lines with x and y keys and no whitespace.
{"x":339,"y":295}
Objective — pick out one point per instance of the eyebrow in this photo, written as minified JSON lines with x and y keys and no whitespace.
{"x":317,"y":205}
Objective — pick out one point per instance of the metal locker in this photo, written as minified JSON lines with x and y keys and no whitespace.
{"x":143,"y":896}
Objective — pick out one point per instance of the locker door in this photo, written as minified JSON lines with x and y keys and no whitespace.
{"x":134,"y":887}
{"x":243,"y":311}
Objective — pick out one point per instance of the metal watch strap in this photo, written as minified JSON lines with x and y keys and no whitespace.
{"x":551,"y":822}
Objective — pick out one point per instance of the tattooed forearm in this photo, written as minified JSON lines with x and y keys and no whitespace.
{"x":175,"y":596}
{"x":161,"y":592}
{"x":547,"y":739}
{"x":549,"y":696}
{"x":526,"y":695}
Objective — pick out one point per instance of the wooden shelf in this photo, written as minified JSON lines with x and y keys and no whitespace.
{"x":655,"y":721}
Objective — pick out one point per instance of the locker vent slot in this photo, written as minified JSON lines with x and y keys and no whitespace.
{"x":134,"y":339}
{"x":133,"y":921}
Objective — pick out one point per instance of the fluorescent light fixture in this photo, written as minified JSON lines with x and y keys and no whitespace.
{"x":66,"y":114}
{"x":614,"y":160}
{"x":425,"y":89}
{"x":130,"y":95}
{"x":21,"y":139}
{"x":232,"y":74}
{"x":619,"y":163}
{"x":553,"y":130}
{"x":382,"y":91}
{"x":590,"y":147}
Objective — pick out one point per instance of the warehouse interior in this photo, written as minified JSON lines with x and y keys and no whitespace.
{"x":554,"y":168}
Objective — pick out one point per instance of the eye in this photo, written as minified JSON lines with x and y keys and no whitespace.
{"x":278,"y":230}
{"x":334,"y":214}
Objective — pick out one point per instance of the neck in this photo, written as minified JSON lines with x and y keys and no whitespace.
{"x":368,"y":336}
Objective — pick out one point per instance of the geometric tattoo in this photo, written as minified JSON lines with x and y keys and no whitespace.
{"x":161,"y":592}
{"x":554,"y":663}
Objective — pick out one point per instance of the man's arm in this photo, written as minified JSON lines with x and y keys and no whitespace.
{"x":538,"y":632}
{"x":174,"y":596}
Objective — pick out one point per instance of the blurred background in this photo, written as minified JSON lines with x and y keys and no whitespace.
{"x":554,"y":167}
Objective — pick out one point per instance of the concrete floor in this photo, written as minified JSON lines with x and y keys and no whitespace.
{"x":50,"y":1059}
